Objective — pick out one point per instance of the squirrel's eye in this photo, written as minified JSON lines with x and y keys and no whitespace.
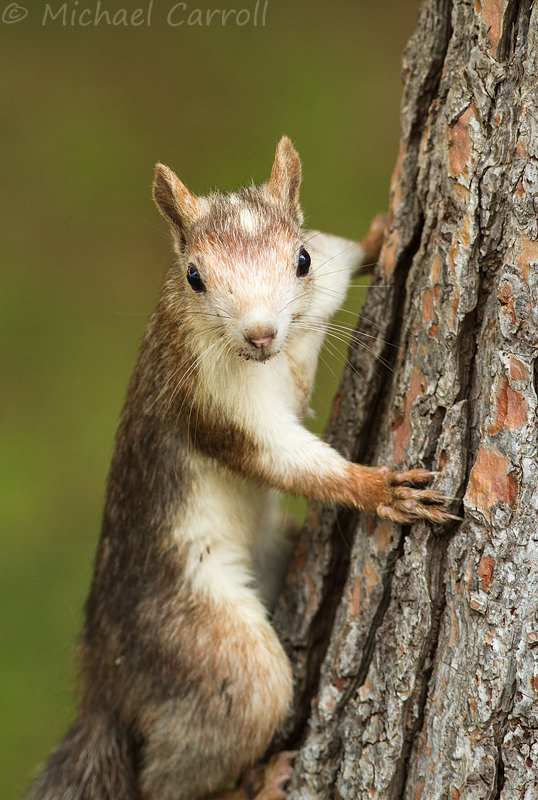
{"x":193,"y":277}
{"x":303,"y":266}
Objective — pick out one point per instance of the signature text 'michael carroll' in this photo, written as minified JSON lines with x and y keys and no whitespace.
{"x":179,"y":14}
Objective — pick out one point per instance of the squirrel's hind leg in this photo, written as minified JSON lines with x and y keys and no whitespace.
{"x":222,"y":716}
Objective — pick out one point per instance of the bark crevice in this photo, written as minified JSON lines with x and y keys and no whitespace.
{"x":365,"y":444}
{"x":369,"y":645}
{"x":415,"y":707}
{"x":499,"y":776}
{"x":430,"y":78}
{"x":508,"y":37}
{"x":516,"y":17}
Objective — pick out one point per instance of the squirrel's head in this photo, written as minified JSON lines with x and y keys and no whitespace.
{"x":242,"y":273}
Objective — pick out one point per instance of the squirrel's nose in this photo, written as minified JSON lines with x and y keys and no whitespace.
{"x":260,"y":335}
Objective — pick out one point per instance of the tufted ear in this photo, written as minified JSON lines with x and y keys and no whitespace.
{"x":179,"y":206}
{"x":285,"y":178}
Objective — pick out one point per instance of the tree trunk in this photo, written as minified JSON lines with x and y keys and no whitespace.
{"x":416,"y":649}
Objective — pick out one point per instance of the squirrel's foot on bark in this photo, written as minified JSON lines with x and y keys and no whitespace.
{"x":267,"y":781}
{"x":371,"y":245}
{"x":405,"y":504}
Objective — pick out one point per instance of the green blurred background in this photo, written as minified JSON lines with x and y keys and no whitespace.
{"x":85,"y":114}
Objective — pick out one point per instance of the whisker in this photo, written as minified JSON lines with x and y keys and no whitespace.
{"x":317,"y":233}
{"x":215,"y":357}
{"x":132,"y":314}
{"x":188,"y":374}
{"x":359,"y":315}
{"x":327,"y":365}
{"x":223,"y":311}
{"x":335,"y":353}
{"x":353,"y":344}
{"x":196,"y":363}
{"x":162,"y":391}
{"x":360,"y":346}
{"x":352,"y":331}
{"x":336,"y":255}
{"x":286,"y":305}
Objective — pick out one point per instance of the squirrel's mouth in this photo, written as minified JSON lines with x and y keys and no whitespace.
{"x":260,"y":354}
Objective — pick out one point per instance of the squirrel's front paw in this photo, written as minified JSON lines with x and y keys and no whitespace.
{"x":371,"y":245}
{"x":405,"y":504}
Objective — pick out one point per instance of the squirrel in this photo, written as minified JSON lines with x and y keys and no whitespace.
{"x":183,"y":681}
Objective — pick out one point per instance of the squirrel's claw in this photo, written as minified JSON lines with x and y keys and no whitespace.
{"x":407,"y":504}
{"x":412,"y":476}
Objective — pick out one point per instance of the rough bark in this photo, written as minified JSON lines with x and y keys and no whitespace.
{"x":416,"y":649}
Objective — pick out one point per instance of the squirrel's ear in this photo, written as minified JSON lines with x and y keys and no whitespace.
{"x":174,"y":201}
{"x":285,"y":177}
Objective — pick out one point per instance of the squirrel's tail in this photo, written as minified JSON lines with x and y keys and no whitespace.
{"x":95,"y":761}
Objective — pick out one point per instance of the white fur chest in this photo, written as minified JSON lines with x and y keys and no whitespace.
{"x":233,"y":526}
